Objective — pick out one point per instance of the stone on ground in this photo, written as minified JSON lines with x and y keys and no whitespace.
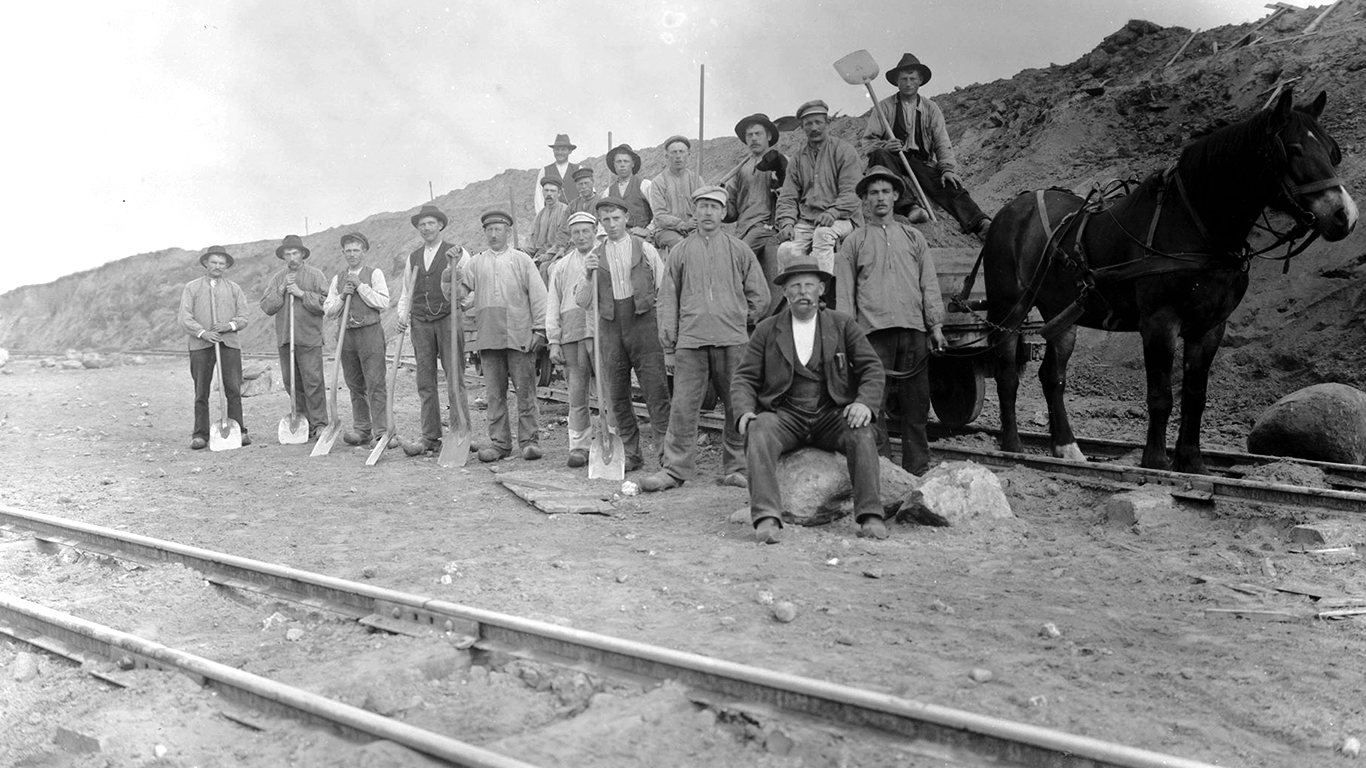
{"x":258,"y":379}
{"x":1325,"y":422}
{"x":1145,"y":509}
{"x":956,"y":493}
{"x":816,"y":488}
{"x":4,"y":356}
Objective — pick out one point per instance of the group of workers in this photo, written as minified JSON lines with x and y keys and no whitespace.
{"x":797,"y":320}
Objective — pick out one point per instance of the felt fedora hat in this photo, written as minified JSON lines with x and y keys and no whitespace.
{"x":355,"y":237}
{"x":798,"y":263}
{"x":619,"y":149}
{"x":562,"y":140}
{"x":908,"y":61}
{"x":434,"y":212}
{"x":813,"y":107}
{"x":495,"y":216}
{"x":758,"y":118}
{"x":291,"y":241}
{"x":611,"y":202}
{"x":218,"y":249}
{"x":880,"y":173}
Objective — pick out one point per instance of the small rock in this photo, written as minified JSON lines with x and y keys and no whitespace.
{"x":368,"y":572}
{"x":1038,"y":702}
{"x":1268,"y":568}
{"x":1143,"y":509}
{"x":1049,"y":629}
{"x":873,"y":573}
{"x":159,"y":751}
{"x":765,"y":597}
{"x":778,"y":743}
{"x":294,"y":634}
{"x":727,"y":621}
{"x":833,"y":561}
{"x":289,"y":473}
{"x":940,"y":606}
{"x":622,"y":578}
{"x":629,"y":488}
{"x":784,"y":611}
{"x":24,"y":667}
{"x":106,"y":481}
{"x":161,"y":472}
{"x":740,"y":515}
{"x":1350,"y":746}
{"x":980,"y":674}
{"x":75,"y":741}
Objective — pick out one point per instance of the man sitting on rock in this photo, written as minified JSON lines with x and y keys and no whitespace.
{"x":809,"y":377}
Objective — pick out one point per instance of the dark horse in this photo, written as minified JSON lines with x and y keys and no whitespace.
{"x":1168,"y":259}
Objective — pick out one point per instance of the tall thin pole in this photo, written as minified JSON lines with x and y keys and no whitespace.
{"x":305,"y":225}
{"x":701,"y":106}
{"x":430,"y":194}
{"x":609,"y":143}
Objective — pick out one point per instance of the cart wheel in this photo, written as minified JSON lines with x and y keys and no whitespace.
{"x":957,"y":388}
{"x":544,"y":368}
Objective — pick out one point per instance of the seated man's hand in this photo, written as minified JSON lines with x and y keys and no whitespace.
{"x":745,"y":419}
{"x":857,"y":415}
{"x":557,"y":354}
{"x":892,"y":145}
{"x":826,"y":219}
{"x":951,"y":180}
{"x":784,"y":233}
{"x":639,"y":231}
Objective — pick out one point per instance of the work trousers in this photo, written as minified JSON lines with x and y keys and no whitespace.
{"x":774,"y":433}
{"x":956,"y":201}
{"x":763,"y":240}
{"x":202,"y":363}
{"x":631,"y":342}
{"x":500,"y":366}
{"x":820,"y":242}
{"x":308,"y":389}
{"x":578,"y":370}
{"x":432,"y":344}
{"x":693,"y":369}
{"x":362,"y":361}
{"x":904,"y":349}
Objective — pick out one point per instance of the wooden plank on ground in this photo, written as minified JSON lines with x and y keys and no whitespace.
{"x":562,"y":496}
{"x":1255,"y":614}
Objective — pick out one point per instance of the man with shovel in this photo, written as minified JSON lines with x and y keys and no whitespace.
{"x":817,"y":206}
{"x":570,"y":335}
{"x":508,"y":298}
{"x":424,"y":309}
{"x":362,"y":351}
{"x":305,"y":288}
{"x":212,"y":310}
{"x":921,"y":136}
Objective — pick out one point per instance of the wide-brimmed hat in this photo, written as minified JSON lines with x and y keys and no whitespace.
{"x":583,"y":173}
{"x":880,"y":173}
{"x":798,"y":263}
{"x":562,"y":140}
{"x":495,"y":216}
{"x":618,"y":149}
{"x":675,"y":138}
{"x":711,"y":192}
{"x":908,"y":61}
{"x":291,"y":241}
{"x":434,"y":212}
{"x":551,"y":180}
{"x":581,"y":217}
{"x":813,"y":107}
{"x":611,"y":202}
{"x":355,"y":237}
{"x":758,"y":118}
{"x":218,"y":249}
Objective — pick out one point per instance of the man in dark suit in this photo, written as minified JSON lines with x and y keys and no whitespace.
{"x":809,"y":377}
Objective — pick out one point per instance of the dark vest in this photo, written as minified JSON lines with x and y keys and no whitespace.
{"x":639,"y":214}
{"x":428,"y":303}
{"x":361,"y":314}
{"x":642,"y":280}
{"x":808,"y":391}
{"x":899,"y":129}
{"x":566,"y":181}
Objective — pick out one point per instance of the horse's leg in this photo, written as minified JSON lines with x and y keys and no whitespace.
{"x":1007,"y":388}
{"x":1053,"y":377}
{"x":1159,"y":349}
{"x":1199,"y":354}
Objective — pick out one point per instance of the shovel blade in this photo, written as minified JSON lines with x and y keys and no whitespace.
{"x":857,"y":68}
{"x":293,"y":430}
{"x":455,"y":449}
{"x":326,"y":439}
{"x":226,"y":435}
{"x":380,"y":446}
{"x":606,"y":458}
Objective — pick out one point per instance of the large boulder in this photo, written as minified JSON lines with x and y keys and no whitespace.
{"x":1325,"y":422}
{"x":258,"y":379}
{"x":816,"y":487}
{"x":956,"y":493}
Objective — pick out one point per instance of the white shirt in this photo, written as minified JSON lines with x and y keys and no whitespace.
{"x":804,"y":338}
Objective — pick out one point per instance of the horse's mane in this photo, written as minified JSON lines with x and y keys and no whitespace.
{"x":1220,"y":146}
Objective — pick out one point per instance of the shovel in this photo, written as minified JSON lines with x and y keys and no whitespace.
{"x":606,"y":455}
{"x":333,"y":428}
{"x":455,"y":449}
{"x":293,"y":430}
{"x":858,"y":68}
{"x":226,"y":433}
{"x":392,"y":430}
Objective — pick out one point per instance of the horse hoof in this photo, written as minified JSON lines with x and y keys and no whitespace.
{"x":1070,"y":452}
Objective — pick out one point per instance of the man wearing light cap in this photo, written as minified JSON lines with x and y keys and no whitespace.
{"x":809,"y":377}
{"x":753,"y":193}
{"x":887,"y":282}
{"x":713,"y":289}
{"x":424,"y":309}
{"x":671,"y":194}
{"x":507,"y":295}
{"x":630,"y":188}
{"x":626,"y":272}
{"x":570,"y":332}
{"x":587,"y":198}
{"x":561,"y":170}
{"x":362,"y":350}
{"x":212,"y":310}
{"x":548,"y":235}
{"x":308,"y":287}
{"x":920,"y":134}
{"x":817,"y":205}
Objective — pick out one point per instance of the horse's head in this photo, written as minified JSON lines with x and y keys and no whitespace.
{"x":1312,"y":191}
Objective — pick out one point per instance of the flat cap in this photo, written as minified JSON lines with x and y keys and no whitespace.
{"x":612,"y":202}
{"x":496,"y":217}
{"x":582,"y":217}
{"x":710,"y":192}
{"x":814,"y":107}
{"x":552,"y":181}
{"x":583,"y":173}
{"x":673,"y":139}
{"x":355,"y":237}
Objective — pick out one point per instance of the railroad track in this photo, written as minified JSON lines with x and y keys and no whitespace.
{"x":943,"y":733}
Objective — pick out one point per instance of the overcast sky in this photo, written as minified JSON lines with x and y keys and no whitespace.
{"x":136,"y":126}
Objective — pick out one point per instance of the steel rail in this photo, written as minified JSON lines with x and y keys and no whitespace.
{"x":992,"y":738}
